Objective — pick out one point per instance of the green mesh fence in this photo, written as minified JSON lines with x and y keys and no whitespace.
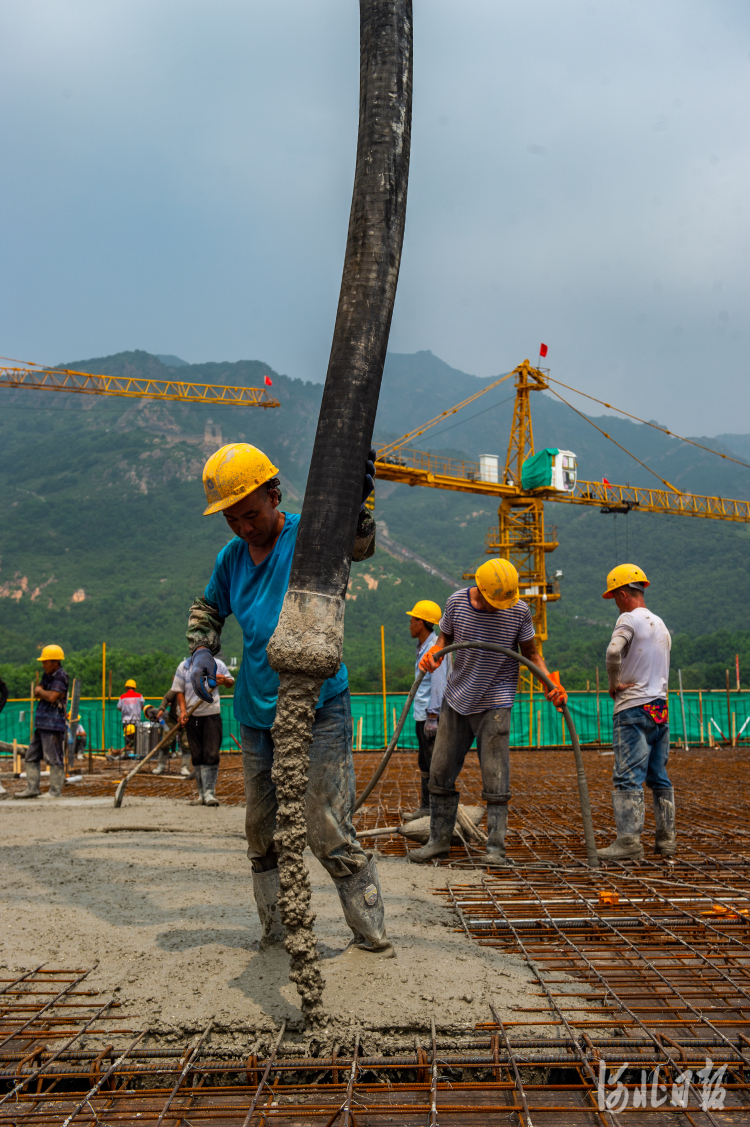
{"x":533,"y":716}
{"x":534,"y":722}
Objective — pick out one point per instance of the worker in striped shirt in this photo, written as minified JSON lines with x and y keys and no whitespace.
{"x":479,"y":695}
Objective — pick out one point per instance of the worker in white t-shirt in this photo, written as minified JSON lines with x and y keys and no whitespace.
{"x":638,"y":672}
{"x":203,"y":728}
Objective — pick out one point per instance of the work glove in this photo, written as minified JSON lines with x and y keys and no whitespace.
{"x":369,"y":483}
{"x":203,"y":673}
{"x":430,"y":727}
{"x":557,"y":696}
{"x":429,"y":663}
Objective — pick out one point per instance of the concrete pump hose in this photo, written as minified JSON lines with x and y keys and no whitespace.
{"x":583,"y":790}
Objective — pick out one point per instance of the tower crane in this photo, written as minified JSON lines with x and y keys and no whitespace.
{"x":132,"y":387}
{"x":529,"y":479}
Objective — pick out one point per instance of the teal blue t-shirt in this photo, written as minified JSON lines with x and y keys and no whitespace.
{"x":254,"y":594}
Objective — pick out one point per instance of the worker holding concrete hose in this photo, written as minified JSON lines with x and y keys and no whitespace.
{"x":638,"y":672}
{"x":423,"y":617}
{"x":50,"y":726}
{"x":479,"y":695}
{"x":250,"y":580}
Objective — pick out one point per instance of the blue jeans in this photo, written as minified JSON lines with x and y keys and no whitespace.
{"x":641,"y":749}
{"x":329,"y":800}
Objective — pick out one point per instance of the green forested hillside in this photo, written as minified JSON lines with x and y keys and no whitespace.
{"x":102,"y":537}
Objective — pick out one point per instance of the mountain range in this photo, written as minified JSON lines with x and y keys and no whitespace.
{"x":103,"y":537}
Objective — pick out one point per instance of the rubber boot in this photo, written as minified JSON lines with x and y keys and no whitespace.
{"x":56,"y":781}
{"x":161,"y":765}
{"x":362,"y":903}
{"x":424,"y":808}
{"x":665,"y":842}
{"x":187,"y":766}
{"x":210,"y":775}
{"x":266,"y":891}
{"x":443,"y":810}
{"x":497,"y":828}
{"x":33,"y":775}
{"x":630,"y":809}
{"x":198,"y":800}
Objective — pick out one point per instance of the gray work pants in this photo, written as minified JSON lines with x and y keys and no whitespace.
{"x":46,"y":744}
{"x":329,"y":799}
{"x":455,"y":735}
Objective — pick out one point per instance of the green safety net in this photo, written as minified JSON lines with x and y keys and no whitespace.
{"x":536,"y":472}
{"x":534,"y":722}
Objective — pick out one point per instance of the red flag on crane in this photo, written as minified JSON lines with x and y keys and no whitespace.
{"x":268,"y":381}
{"x":542,"y":349}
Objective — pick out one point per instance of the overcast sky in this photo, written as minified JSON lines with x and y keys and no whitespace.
{"x":177,"y":177}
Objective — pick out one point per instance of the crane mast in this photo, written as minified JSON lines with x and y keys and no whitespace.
{"x":520,"y":534}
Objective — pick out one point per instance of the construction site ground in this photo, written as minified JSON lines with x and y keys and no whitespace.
{"x":128,"y":935}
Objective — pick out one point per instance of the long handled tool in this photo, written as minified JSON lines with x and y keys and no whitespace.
{"x":120,"y":792}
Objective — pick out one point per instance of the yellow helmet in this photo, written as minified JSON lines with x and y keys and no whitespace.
{"x":232,"y":473}
{"x":427,"y":611}
{"x":130,"y":729}
{"x":130,"y":684}
{"x":624,"y":575}
{"x":52,"y":653}
{"x":497,"y":580}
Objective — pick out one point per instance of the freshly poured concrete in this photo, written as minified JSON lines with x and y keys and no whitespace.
{"x":171,"y":919}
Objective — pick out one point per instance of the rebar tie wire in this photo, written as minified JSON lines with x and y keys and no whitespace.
{"x":494,"y":647}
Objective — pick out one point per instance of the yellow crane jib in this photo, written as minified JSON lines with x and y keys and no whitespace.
{"x":133,"y":387}
{"x":528,"y":479}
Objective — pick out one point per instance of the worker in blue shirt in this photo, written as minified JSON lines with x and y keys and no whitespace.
{"x":423,"y":618}
{"x":250,"y":580}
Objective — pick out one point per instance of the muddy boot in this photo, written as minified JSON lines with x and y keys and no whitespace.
{"x":630,"y":808}
{"x":424,"y":808}
{"x":266,"y":890}
{"x":162,"y":763}
{"x":362,"y":902}
{"x":33,"y":775}
{"x":210,"y":775}
{"x":198,"y":800}
{"x":187,"y":766}
{"x":665,"y":842}
{"x":443,"y":810}
{"x":497,"y":827}
{"x":56,"y":781}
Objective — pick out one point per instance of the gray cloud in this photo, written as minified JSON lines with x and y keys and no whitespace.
{"x":177,"y":178}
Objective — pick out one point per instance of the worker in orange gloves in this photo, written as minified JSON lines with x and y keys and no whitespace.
{"x":479,"y":695}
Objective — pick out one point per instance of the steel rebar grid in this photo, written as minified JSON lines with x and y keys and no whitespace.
{"x":659,"y":950}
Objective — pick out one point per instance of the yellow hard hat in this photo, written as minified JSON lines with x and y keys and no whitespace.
{"x":426,"y":610}
{"x":232,"y":473}
{"x":622,"y":576}
{"x":130,"y":729}
{"x":130,"y":684}
{"x":498,"y":582}
{"x":52,"y":653}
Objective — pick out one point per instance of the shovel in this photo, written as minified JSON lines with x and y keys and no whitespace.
{"x":120,"y":792}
